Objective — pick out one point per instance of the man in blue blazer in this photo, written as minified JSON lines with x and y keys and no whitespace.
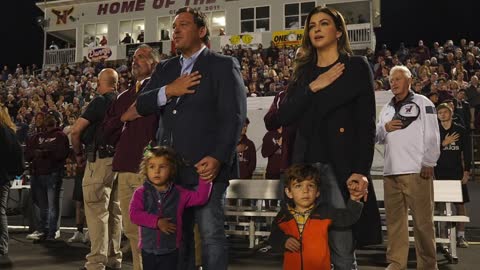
{"x":202,"y":98}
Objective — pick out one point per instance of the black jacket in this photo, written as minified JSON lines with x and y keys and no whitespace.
{"x":343,"y":116}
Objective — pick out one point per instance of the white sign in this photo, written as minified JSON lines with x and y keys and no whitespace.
{"x":95,"y":54}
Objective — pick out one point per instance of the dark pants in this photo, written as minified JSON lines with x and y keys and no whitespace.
{"x":342,"y":249}
{"x":153,"y":262}
{"x":3,"y":218}
{"x":210,"y":219}
{"x":46,"y":189}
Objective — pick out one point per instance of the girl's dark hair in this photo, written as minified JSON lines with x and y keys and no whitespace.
{"x":199,"y":18}
{"x":160,"y":151}
{"x":304,"y":63}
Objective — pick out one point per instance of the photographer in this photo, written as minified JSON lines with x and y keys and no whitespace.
{"x":102,"y":208}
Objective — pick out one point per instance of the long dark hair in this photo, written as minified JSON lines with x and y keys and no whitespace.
{"x":304,"y":63}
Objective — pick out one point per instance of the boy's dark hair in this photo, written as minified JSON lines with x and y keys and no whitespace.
{"x":199,"y":18}
{"x":160,"y":151}
{"x":300,"y":173}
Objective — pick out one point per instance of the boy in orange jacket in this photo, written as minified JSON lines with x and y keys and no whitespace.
{"x":300,"y":229}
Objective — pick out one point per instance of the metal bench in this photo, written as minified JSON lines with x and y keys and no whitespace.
{"x":259,"y":190}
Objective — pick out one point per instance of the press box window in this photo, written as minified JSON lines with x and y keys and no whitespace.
{"x":93,"y":34}
{"x":296,"y":14}
{"x":134,"y":28}
{"x":256,"y":19}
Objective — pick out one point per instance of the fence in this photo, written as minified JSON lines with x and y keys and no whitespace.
{"x":61,"y":56}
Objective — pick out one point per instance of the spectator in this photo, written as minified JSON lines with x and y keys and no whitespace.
{"x":417,"y":87}
{"x":221,"y":31}
{"x":455,"y":161}
{"x":141,"y":36}
{"x":433,"y":97}
{"x":53,"y":46}
{"x":462,"y":108}
{"x":473,"y":97}
{"x":157,"y":221}
{"x":408,"y":169}
{"x":127,"y":39}
{"x":247,"y":155}
{"x":103,"y":41}
{"x":99,"y":186}
{"x":402,"y":52}
{"x":306,"y":247}
{"x":305,"y":103}
{"x":471,"y":65}
{"x":130,"y":138}
{"x":272,"y":149}
{"x":422,"y":52}
{"x":10,"y":149}
{"x":48,"y":151}
{"x":209,"y":149}
{"x":378,"y":85}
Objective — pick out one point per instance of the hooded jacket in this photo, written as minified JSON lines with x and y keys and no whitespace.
{"x":148,"y":205}
{"x":315,"y":252}
{"x":47,"y":151}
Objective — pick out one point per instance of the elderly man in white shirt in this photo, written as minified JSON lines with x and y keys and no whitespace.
{"x":408,"y":127}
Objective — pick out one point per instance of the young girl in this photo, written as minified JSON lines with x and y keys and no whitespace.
{"x":157,"y":208}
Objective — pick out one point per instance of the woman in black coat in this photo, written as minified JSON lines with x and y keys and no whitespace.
{"x":331,"y":97}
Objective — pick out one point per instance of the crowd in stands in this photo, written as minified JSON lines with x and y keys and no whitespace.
{"x":441,"y":72}
{"x":444,"y":73}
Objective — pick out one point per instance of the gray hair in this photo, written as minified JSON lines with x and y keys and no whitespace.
{"x":403,"y":69}
{"x":154,"y":54}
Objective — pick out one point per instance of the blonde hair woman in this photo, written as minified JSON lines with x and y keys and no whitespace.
{"x":7,"y":140}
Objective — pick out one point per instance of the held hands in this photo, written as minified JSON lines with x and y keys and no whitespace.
{"x":208,"y":168}
{"x":325,"y":79}
{"x":358,"y":187}
{"x":166,"y":226}
{"x":393,"y":125}
{"x":450,"y":138}
{"x":292,"y":245}
{"x":426,"y":172}
{"x":181,"y":85}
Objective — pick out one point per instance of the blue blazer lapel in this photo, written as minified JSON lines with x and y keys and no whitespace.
{"x":200,"y":64}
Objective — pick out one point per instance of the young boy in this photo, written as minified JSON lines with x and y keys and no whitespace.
{"x":454,"y":161}
{"x":300,"y":229}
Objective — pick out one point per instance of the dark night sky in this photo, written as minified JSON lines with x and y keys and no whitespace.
{"x":21,"y":40}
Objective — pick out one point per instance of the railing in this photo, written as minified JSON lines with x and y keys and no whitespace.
{"x":57,"y":57}
{"x":359,"y":33}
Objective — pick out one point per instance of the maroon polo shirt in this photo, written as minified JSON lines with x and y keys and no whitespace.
{"x":247,"y":160}
{"x":131,"y":137}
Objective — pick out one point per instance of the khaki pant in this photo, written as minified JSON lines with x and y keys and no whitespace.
{"x":127,"y":183}
{"x":102,"y":211}
{"x":401,"y":193}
